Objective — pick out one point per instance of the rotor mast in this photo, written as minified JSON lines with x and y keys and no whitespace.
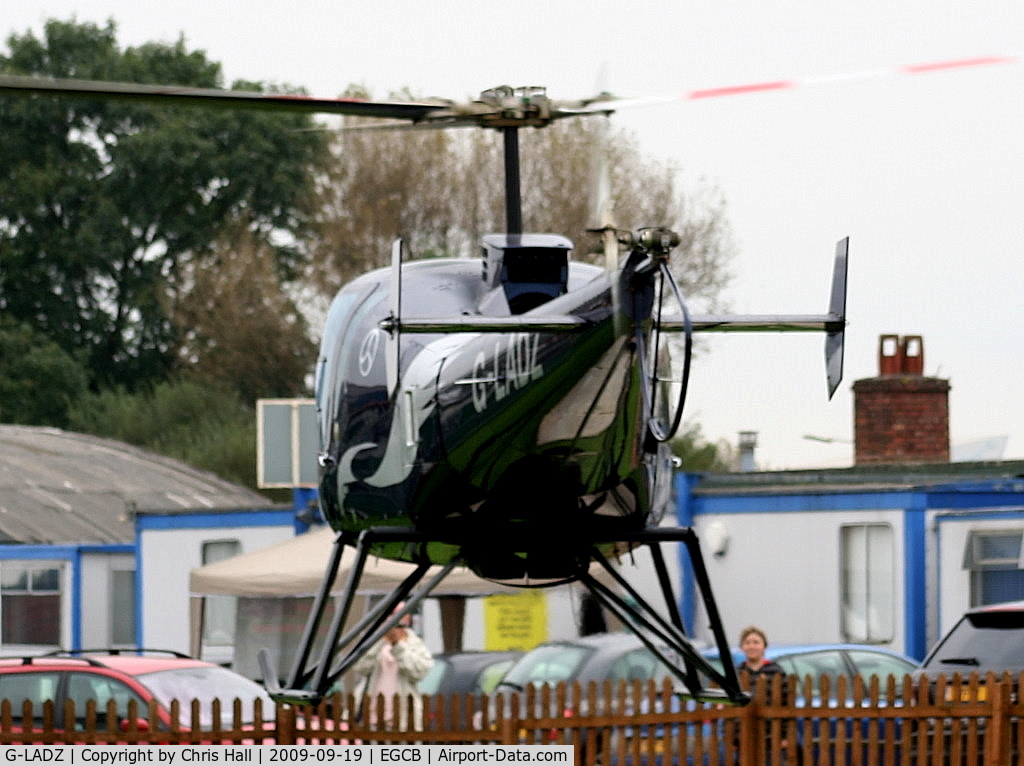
{"x":513,"y":192}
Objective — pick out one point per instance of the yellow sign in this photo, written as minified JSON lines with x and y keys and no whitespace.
{"x":515,"y":621}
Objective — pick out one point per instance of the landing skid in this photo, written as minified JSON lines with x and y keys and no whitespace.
{"x":308,"y":682}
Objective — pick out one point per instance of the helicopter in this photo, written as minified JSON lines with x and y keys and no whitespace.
{"x":508,"y":414}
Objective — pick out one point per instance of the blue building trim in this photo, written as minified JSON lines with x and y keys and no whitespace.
{"x":915,"y":581}
{"x":721,"y":504}
{"x":214,"y":520}
{"x":684,"y":484}
{"x":138,"y":586}
{"x":305,"y":508}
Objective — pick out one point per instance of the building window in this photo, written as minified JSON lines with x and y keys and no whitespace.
{"x":868,"y":583}
{"x":30,"y":603}
{"x":219,"y":620}
{"x":993,"y":558}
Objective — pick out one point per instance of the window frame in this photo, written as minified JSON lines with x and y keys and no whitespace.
{"x":867,"y":592}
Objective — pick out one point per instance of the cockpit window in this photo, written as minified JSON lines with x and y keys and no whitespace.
{"x":330,"y":372}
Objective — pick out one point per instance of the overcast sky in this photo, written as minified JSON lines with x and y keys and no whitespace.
{"x":925,"y":173}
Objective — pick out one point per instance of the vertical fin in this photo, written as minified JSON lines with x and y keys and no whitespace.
{"x":835,"y":340}
{"x":395,"y":333}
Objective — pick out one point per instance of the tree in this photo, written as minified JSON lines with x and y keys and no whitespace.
{"x":104,"y":206}
{"x":380,"y":186}
{"x":239,"y":329}
{"x":442,"y":190}
{"x":39,"y":382}
{"x":697,"y":454}
{"x":199,"y":424}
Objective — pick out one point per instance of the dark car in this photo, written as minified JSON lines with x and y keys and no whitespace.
{"x":613,"y":657}
{"x":457,"y":674}
{"x":122,"y":677}
{"x":986,"y":638}
{"x":606,"y":656}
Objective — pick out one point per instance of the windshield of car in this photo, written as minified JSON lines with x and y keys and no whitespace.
{"x":546,"y":664}
{"x":431,"y":682}
{"x":205,"y":684}
{"x":992,"y":640}
{"x":491,"y":676}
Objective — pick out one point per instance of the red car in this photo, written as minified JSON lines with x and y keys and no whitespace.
{"x":123,"y":676}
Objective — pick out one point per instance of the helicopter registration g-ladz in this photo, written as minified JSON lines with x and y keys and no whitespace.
{"x":506,"y":414}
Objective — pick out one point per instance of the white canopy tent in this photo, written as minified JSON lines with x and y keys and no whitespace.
{"x":275,"y":585}
{"x":295,"y":567}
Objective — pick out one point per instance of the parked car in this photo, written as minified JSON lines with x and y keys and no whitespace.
{"x":986,"y":638}
{"x":833,"y":661}
{"x":467,"y":672}
{"x":122,"y":676}
{"x":814,"y":660}
{"x":458,"y":674}
{"x":612,"y":656}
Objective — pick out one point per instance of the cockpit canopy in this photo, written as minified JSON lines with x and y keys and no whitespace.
{"x":531,"y":268}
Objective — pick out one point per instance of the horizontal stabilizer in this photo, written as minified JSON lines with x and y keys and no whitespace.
{"x":563,"y":324}
{"x":833,"y":323}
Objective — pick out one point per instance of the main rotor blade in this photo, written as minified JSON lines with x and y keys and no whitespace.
{"x":606,"y":104}
{"x":401,"y":110}
{"x":497,"y":108}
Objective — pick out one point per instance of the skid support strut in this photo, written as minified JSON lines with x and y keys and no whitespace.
{"x":667,"y":639}
{"x":308,"y":683}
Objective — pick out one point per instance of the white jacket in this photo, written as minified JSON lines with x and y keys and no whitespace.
{"x":414,"y":662}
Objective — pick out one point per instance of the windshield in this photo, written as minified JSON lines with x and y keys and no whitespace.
{"x":431,"y":682}
{"x":205,"y":684}
{"x":985,"y":641}
{"x":546,"y":664}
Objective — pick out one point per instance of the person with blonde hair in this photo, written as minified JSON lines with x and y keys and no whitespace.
{"x":392,"y":668}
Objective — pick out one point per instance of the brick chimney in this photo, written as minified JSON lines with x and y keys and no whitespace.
{"x":901,"y":416}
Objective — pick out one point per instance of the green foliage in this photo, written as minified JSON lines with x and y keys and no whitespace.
{"x":104,"y":204}
{"x":697,"y":454}
{"x":39,"y":382}
{"x":200,"y":425}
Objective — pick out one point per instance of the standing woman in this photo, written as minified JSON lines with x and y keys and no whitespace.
{"x":753,"y":643}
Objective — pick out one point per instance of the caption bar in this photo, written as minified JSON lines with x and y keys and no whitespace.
{"x":285,"y":755}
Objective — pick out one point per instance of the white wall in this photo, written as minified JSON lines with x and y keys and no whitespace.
{"x":167,"y":556}
{"x":97,"y":590}
{"x":781,"y":572}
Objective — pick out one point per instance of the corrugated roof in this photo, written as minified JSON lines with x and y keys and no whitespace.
{"x":66,"y":488}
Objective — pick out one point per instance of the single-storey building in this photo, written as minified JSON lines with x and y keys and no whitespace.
{"x":97,"y":539}
{"x":889,"y":551}
{"x":881,"y":555}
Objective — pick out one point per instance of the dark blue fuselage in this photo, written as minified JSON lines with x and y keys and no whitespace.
{"x":515,"y":451}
